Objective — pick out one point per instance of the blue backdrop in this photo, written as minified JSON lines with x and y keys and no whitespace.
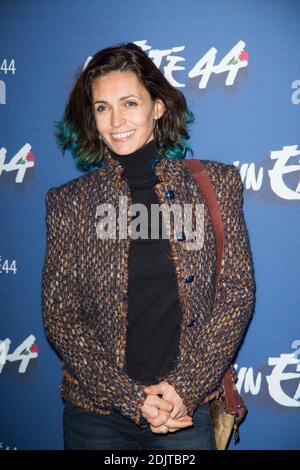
{"x":238,"y":64}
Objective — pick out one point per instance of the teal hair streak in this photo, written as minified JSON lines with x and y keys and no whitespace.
{"x":180,"y":149}
{"x":67,"y":139}
{"x":177,"y":152}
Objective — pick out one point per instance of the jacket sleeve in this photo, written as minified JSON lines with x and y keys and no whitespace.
{"x":68,"y":328}
{"x":217,"y":341}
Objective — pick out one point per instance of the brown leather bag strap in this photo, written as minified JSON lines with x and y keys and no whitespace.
{"x":233,"y":401}
{"x":201,"y":176}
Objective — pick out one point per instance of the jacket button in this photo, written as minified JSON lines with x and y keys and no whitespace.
{"x":170,"y":194}
{"x":189,"y":279}
{"x":181,"y":237}
{"x":191,"y":323}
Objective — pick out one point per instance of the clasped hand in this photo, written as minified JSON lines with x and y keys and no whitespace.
{"x":166,"y":414}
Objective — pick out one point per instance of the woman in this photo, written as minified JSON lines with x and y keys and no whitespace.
{"x":144,"y":346}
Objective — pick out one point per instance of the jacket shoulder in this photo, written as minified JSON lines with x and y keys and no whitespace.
{"x":219,"y":172}
{"x":213,"y":167}
{"x":69,"y":190}
{"x":216,"y":168}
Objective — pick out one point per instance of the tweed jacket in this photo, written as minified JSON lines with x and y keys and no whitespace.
{"x":85,"y":281}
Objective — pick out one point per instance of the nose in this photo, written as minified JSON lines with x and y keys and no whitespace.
{"x":117,"y":119}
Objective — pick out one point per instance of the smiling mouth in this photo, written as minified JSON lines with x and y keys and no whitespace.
{"x":122,"y":136}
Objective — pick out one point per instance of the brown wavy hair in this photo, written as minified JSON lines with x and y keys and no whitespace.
{"x":77,"y":131}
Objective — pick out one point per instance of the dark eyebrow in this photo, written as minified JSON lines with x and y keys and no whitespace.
{"x":121,"y":99}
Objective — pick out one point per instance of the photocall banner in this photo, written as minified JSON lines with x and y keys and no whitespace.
{"x":238,"y":65}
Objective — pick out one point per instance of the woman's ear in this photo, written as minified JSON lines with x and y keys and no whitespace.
{"x":159,"y":108}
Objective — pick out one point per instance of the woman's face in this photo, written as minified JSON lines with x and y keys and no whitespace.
{"x":124,"y":112}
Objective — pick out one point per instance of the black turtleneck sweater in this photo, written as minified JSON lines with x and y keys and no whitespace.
{"x":154,"y":313}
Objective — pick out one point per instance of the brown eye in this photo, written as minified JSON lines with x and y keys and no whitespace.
{"x":100,"y":109}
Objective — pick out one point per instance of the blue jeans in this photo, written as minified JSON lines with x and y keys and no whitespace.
{"x":84,"y":430}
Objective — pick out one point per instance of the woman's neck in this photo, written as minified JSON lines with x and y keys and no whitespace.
{"x":139,"y":162}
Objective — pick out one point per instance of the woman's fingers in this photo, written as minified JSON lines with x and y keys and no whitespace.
{"x":160,"y":403}
{"x":161,"y":419}
{"x":157,"y":389}
{"x":179,"y":423}
{"x":150,"y":411}
{"x":169,"y":394}
{"x":159,"y":430}
{"x":172,"y":425}
{"x":178,"y":411}
{"x":155,"y":406}
{"x":165,"y":419}
{"x":172,"y":414}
